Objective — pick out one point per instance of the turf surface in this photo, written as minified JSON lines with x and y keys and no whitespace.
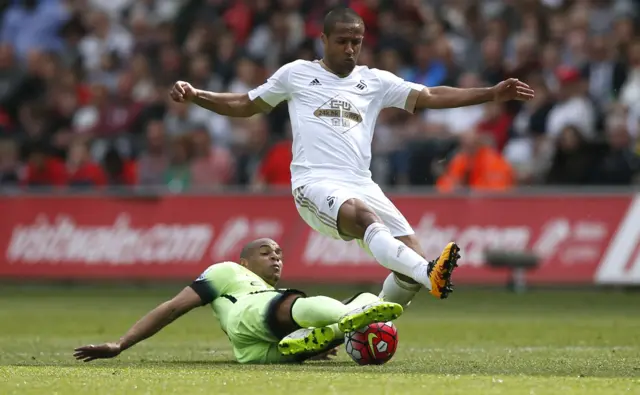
{"x":476,"y":342}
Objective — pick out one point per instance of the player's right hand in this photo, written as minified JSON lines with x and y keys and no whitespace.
{"x":100,"y":351}
{"x":182,"y":92}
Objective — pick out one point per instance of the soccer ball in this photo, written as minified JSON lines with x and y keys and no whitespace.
{"x":372,"y":345}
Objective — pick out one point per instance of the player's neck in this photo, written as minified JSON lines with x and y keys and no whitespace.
{"x":324,"y":65}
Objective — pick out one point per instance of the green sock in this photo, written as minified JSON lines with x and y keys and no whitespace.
{"x":318,"y":311}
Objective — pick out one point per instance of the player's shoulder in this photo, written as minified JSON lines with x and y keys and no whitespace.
{"x":381,"y":75}
{"x":297,"y":65}
{"x":219,"y":269}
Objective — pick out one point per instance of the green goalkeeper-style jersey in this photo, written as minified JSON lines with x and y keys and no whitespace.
{"x":222,"y":284}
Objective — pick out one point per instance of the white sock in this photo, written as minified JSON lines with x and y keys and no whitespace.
{"x":395,"y":255}
{"x":398,"y":291}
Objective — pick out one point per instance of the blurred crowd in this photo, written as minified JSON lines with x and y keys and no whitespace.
{"x":84,"y":91}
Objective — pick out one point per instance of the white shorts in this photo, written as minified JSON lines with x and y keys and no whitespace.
{"x":319,"y":203}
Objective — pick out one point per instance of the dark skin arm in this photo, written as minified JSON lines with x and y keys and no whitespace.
{"x":447,"y":97}
{"x":146,"y":327}
{"x":228,"y":104}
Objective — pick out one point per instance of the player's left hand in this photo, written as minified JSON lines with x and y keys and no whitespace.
{"x":327,"y":356}
{"x":512,"y":89}
{"x":100,"y":351}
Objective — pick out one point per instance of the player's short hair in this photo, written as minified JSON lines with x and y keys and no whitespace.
{"x":247,"y":250}
{"x":252,"y":246}
{"x":340,"y":15}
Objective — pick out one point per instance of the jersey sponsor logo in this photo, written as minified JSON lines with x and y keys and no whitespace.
{"x":339,"y":113}
{"x":370,"y":341}
{"x":400,"y":250}
{"x":315,"y":82}
{"x":361,"y":85}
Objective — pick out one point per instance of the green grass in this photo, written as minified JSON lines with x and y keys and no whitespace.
{"x":476,"y":342}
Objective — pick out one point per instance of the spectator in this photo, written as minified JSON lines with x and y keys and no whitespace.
{"x":33,"y":24}
{"x":603,"y":73}
{"x":529,"y":150}
{"x":118,"y":170}
{"x":550,"y":64}
{"x":177,"y":120}
{"x":81,"y":170}
{"x":154,"y":161}
{"x":247,"y":76}
{"x":111,"y":114}
{"x":213,"y":165}
{"x":427,"y":69}
{"x":454,"y":121}
{"x":389,"y":34}
{"x":525,"y":56}
{"x":630,"y":90}
{"x":9,"y":164}
{"x":275,"y":169}
{"x":252,"y":135}
{"x":143,"y":89}
{"x":177,"y":176}
{"x":620,"y":165}
{"x":477,"y":166}
{"x":574,"y":108}
{"x":493,"y":69}
{"x":572,"y":162}
{"x":227,"y":53}
{"x":445,"y":52}
{"x":43,"y":170}
{"x":105,"y":38}
{"x":495,"y":124}
{"x":169,"y":65}
{"x":40,"y":70}
{"x":10,"y":77}
{"x":280,"y":38}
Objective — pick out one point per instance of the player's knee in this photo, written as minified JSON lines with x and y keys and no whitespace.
{"x":283,"y":314}
{"x":404,"y":278}
{"x":354,"y":218}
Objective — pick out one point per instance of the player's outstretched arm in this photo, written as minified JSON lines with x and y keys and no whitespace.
{"x":448,"y":97}
{"x":146,"y":327}
{"x":229,"y":104}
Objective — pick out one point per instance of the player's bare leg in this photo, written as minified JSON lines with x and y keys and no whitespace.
{"x":356,"y":219}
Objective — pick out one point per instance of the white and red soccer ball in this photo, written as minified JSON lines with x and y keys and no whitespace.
{"x":372,"y":345}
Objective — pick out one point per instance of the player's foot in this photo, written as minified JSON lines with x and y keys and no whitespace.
{"x":373,"y":312}
{"x":440,"y":271}
{"x":306,"y":341}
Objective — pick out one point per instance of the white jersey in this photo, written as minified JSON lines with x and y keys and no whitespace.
{"x":333,"y":118}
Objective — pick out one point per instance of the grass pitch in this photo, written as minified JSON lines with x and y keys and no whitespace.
{"x":476,"y":342}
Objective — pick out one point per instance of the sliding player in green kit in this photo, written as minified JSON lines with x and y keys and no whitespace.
{"x":264,"y":324}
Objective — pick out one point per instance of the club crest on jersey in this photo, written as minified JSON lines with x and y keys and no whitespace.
{"x":339,"y":113}
{"x":331,"y":200}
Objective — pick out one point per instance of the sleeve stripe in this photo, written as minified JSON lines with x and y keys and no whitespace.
{"x":263,"y":105}
{"x":412,"y":100}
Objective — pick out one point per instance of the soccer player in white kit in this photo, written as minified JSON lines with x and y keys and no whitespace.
{"x":333,"y":107}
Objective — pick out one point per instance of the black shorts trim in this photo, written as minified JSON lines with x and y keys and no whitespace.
{"x":271,"y":320}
